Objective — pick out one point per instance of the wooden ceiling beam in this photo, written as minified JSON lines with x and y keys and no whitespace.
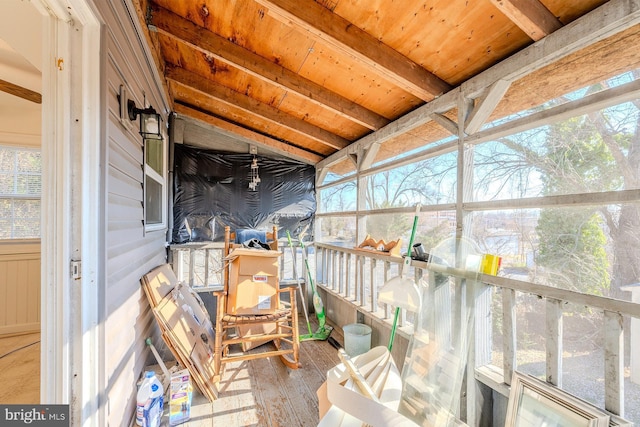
{"x":530,"y":15}
{"x":446,"y":123}
{"x":248,"y":136}
{"x":485,"y":106}
{"x":322,"y":24}
{"x":611,"y":18}
{"x":199,"y":38}
{"x":254,"y":107}
{"x":20,"y":92}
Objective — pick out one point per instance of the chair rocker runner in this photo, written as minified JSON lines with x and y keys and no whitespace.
{"x":249,"y":308}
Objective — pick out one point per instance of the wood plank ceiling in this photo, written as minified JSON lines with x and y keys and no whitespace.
{"x":306,"y":78}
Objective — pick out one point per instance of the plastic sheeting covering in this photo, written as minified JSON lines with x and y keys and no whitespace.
{"x":211,"y":191}
{"x":434,"y":368}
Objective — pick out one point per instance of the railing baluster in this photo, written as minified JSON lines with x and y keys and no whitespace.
{"x":360,"y":288}
{"x":192,"y":262}
{"x":341,"y":273}
{"x":349,"y":284}
{"x":373,"y":288}
{"x":334,"y":269}
{"x":206,"y":267}
{"x":554,"y":341}
{"x":180,"y":269}
{"x":508,"y":333}
{"x":347,"y":275}
{"x":323,"y":261}
{"x":387,"y":269}
{"x":613,"y":362}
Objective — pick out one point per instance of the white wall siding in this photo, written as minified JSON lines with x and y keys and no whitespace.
{"x":130,"y":252}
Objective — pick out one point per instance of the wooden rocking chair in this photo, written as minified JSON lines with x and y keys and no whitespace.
{"x":259,"y":324}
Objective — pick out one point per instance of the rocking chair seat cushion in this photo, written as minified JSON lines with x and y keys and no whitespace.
{"x":256,"y":318}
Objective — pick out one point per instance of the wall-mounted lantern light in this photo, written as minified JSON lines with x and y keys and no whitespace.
{"x":149,"y":120}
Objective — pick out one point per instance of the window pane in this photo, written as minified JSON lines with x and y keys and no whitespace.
{"x":6,"y":183}
{"x":340,"y":231}
{"x":338,"y":198}
{"x":430,"y":182}
{"x":432,"y":228}
{"x":20,"y":176}
{"x":584,"y":249}
{"x":581,"y":155}
{"x":153,"y":154}
{"x":28,"y":161}
{"x":7,"y":159}
{"x":26,"y":229}
{"x":28,"y":184}
{"x":5,"y":208}
{"x":26,"y":219}
{"x":153,"y":202}
{"x":5,"y":228}
{"x":19,"y":219}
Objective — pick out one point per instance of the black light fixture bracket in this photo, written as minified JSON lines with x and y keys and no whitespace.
{"x":135,"y":111}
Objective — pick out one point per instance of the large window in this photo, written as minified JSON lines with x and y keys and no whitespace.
{"x":20,"y":186}
{"x":154,"y":184}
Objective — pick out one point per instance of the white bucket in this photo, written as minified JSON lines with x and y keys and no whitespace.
{"x":357,"y":339}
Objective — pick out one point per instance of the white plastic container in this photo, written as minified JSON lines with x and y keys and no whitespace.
{"x":357,"y":338}
{"x":150,"y":399}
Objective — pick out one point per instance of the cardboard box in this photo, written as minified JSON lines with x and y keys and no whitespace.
{"x":253,"y":281}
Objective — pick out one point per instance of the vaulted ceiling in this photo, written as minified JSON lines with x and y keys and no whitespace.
{"x":307,"y":78}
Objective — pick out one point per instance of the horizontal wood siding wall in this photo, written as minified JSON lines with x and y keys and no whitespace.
{"x":130,"y":252}
{"x":19,"y":288}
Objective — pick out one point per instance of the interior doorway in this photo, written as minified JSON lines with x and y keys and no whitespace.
{"x":20,"y":205}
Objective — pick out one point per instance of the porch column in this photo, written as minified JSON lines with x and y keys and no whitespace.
{"x":634,"y":362}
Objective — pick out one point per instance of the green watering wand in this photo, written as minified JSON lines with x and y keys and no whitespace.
{"x":401,"y":291}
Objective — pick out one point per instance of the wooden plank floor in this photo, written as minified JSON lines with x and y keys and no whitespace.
{"x":20,"y":369}
{"x":263,"y":392}
{"x":258,"y":393}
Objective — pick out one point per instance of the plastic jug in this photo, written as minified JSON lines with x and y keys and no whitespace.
{"x":150,"y":399}
{"x":357,"y":339}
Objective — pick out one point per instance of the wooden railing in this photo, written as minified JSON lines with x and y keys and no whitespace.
{"x":356,"y":275}
{"x":200,"y":264}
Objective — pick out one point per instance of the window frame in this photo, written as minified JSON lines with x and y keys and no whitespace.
{"x":149,"y":172}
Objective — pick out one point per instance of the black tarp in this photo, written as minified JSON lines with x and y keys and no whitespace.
{"x":211,"y":190}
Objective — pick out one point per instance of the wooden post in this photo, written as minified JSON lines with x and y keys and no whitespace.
{"x":206,"y":267}
{"x":373,"y":287}
{"x":634,"y":362}
{"x":613,"y":363}
{"x":387,"y":269}
{"x":192,"y":262}
{"x":508,"y":333}
{"x":554,"y":341}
